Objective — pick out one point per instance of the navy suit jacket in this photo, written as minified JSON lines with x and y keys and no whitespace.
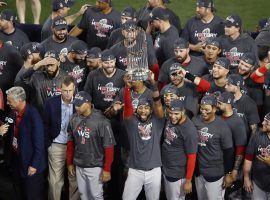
{"x":52,"y":118}
{"x":31,"y":149}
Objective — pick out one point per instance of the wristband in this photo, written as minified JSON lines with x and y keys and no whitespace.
{"x":190,"y":77}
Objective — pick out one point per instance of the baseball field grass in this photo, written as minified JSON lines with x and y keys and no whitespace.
{"x":249,"y":10}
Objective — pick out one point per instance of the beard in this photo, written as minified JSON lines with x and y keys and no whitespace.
{"x":181,"y":59}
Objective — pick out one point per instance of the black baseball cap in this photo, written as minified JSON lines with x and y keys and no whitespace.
{"x":8,"y":15}
{"x":214,"y":42}
{"x":52,"y":54}
{"x":224,"y":62}
{"x":129,"y":25}
{"x":236,"y":79}
{"x":129,"y":12}
{"x":226,"y":97}
{"x":171,"y":89}
{"x":94,"y":53}
{"x":79,"y":47}
{"x":267,"y":116}
{"x":30,"y":48}
{"x":107,"y":55}
{"x":175,"y":67}
{"x":145,"y":102}
{"x":58,"y":4}
{"x":209,"y":99}
{"x":81,"y":98}
{"x":177,"y":105}
{"x":205,"y":3}
{"x":248,"y":58}
{"x":159,"y":13}
{"x":59,"y":23}
{"x":233,"y":20}
{"x":180,"y":43}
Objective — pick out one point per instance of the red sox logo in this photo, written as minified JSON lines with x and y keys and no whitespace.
{"x":204,"y":136}
{"x":264,"y":151}
{"x":145,"y":131}
{"x":170,"y":135}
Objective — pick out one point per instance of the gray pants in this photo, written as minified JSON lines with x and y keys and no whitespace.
{"x":209,"y":190}
{"x":151,"y":180}
{"x":89,"y":182}
{"x":259,"y":194}
{"x":174,"y":190}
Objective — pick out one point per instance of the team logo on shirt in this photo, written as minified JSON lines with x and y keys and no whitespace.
{"x":170,"y":135}
{"x":156,"y":43}
{"x":204,"y":35}
{"x":239,"y":114}
{"x":77,"y":73}
{"x":109,"y":91}
{"x":145,"y":131}
{"x":64,"y":52}
{"x":84,"y":133}
{"x":102,"y":27}
{"x":53,"y":91}
{"x":233,"y":56}
{"x":264,"y":151}
{"x":2,"y":65}
{"x":204,"y":136}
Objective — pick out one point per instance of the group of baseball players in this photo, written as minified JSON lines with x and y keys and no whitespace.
{"x":74,"y":113}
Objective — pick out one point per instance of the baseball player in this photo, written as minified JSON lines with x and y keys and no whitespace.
{"x":93,"y":58}
{"x":90,"y":148}
{"x":215,"y":152}
{"x":178,"y":152}
{"x":257,"y":163}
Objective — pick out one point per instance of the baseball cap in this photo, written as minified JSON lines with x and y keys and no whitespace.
{"x":262,"y":22}
{"x":175,"y":67}
{"x":8,"y":15}
{"x":209,"y":99}
{"x":267,"y":116}
{"x":236,"y":79}
{"x":180,"y":43}
{"x":79,"y":47}
{"x":81,"y":98}
{"x":94,"y":53}
{"x":107,"y":55}
{"x":226,"y":97}
{"x":159,"y":13}
{"x":29,"y":48}
{"x":171,"y":89}
{"x":233,"y":20}
{"x":224,"y":62}
{"x":129,"y":25}
{"x":214,"y":42}
{"x":177,"y":105}
{"x":52,"y":54}
{"x":58,"y":4}
{"x":248,"y":58}
{"x":205,"y":3}
{"x":145,"y":102}
{"x":129,"y":12}
{"x":59,"y":23}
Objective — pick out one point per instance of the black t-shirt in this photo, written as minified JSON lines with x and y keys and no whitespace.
{"x":17,"y":39}
{"x":213,"y":87}
{"x":163,"y":44}
{"x":196,"y":67}
{"x":179,"y":140}
{"x":233,"y":50}
{"x":255,"y":91}
{"x":104,"y":89}
{"x":46,"y":30}
{"x":60,"y":48}
{"x":259,"y":144}
{"x":99,"y":26}
{"x":214,"y":137}
{"x":266,"y":89}
{"x":10,"y":63}
{"x":196,"y":31}
{"x":115,"y":37}
{"x":144,"y":139}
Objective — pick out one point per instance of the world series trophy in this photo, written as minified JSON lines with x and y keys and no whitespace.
{"x":137,"y":59}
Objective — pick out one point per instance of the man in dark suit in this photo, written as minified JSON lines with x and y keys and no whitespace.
{"x":27,"y":144}
{"x":57,"y":113}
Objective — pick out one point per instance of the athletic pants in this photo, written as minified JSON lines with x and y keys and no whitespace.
{"x":259,"y":194}
{"x":174,"y":190}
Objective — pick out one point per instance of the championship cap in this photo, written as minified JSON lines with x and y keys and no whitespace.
{"x":30,"y":48}
{"x":59,"y":23}
{"x":214,"y":42}
{"x":159,"y":13}
{"x":107,"y":55}
{"x":233,"y":20}
{"x":52,"y":54}
{"x":170,"y":89}
{"x":145,"y":102}
{"x":248,"y":58}
{"x":267,"y":116}
{"x":175,"y":67}
{"x":81,"y":98}
{"x":205,"y":3}
{"x":79,"y":47}
{"x":236,"y":79}
{"x":180,"y":43}
{"x":177,"y":105}
{"x":129,"y":12}
{"x":209,"y":99}
{"x":226,"y":97}
{"x":129,"y":25}
{"x":94,"y":53}
{"x":224,"y":62}
{"x":8,"y":15}
{"x":58,"y":4}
